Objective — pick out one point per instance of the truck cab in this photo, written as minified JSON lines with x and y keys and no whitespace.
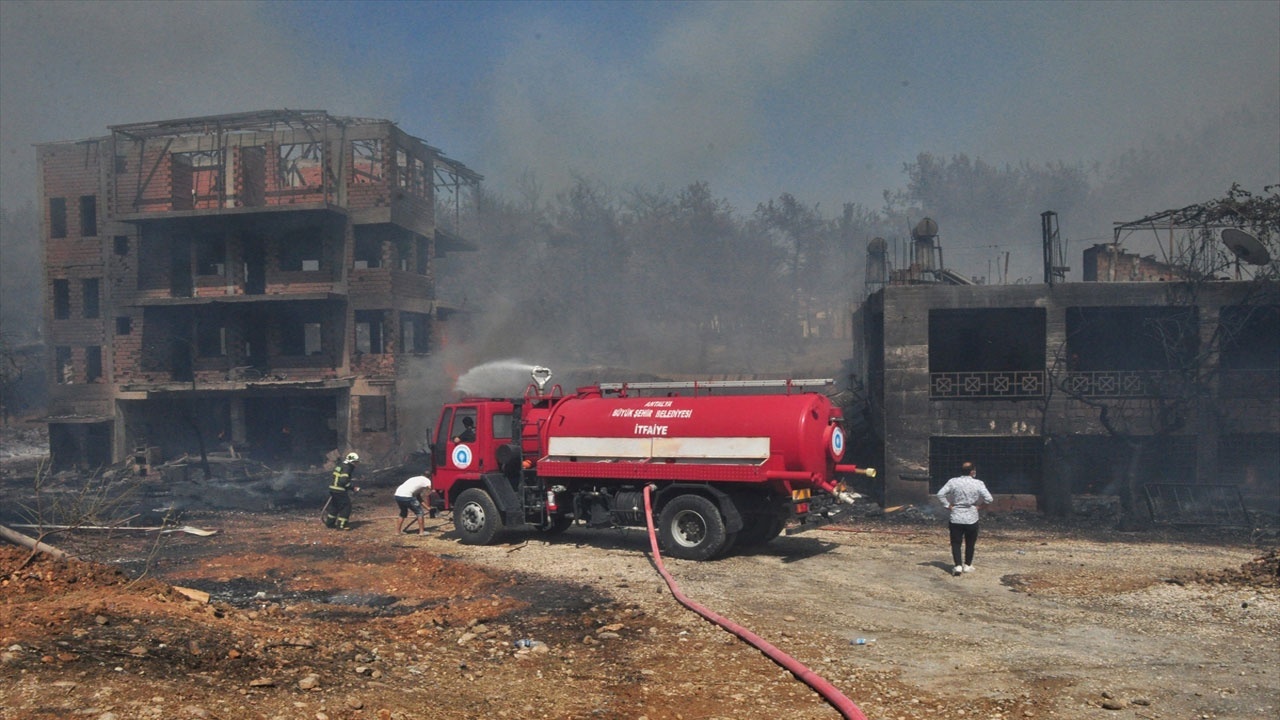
{"x":467,"y":440}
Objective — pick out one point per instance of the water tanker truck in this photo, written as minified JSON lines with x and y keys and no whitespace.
{"x":730,"y":463}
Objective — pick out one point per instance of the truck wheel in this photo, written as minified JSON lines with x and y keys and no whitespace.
{"x":476,"y":517}
{"x":760,"y":529}
{"x":558,"y":525}
{"x":730,"y":540}
{"x":690,"y":527}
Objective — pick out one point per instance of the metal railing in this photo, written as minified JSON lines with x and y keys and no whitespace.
{"x":1192,"y":504}
{"x":987,"y":385}
{"x":1112,"y":383}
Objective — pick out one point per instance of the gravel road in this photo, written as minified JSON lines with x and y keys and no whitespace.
{"x":1052,"y":622}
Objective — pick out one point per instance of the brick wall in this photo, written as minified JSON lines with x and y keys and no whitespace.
{"x":68,"y":173}
{"x":364,"y":191}
{"x":1106,"y":263}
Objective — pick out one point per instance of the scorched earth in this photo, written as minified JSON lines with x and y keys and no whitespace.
{"x":306,"y":623}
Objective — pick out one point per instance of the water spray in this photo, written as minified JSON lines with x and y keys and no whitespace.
{"x":495,"y":378}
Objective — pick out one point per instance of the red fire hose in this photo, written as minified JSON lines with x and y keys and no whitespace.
{"x":810,"y":678}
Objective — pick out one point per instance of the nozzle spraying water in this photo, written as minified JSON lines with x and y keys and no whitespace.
{"x":541,"y":376}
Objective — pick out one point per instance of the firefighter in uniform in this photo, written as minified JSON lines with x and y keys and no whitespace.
{"x":338,"y":513}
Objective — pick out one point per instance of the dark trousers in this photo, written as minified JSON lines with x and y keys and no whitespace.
{"x":967,"y":534}
{"x":339,"y":509}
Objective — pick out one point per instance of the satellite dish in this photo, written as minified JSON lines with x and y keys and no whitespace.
{"x":1245,"y":246}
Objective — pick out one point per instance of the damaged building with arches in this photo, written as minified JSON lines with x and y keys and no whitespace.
{"x":260,"y":282}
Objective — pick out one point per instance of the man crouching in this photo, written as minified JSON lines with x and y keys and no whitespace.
{"x":409,"y":497}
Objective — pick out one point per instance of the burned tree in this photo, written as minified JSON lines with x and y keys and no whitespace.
{"x":1167,"y":383}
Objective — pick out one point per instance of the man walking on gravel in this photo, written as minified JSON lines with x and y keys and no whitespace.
{"x":962,"y":495}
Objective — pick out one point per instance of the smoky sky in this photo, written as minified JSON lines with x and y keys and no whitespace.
{"x":823,"y":100}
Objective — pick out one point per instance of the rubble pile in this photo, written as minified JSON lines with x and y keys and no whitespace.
{"x":1262,"y":571}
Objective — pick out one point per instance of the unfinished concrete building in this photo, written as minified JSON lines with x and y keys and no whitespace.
{"x":1066,"y":393}
{"x":260,"y":282}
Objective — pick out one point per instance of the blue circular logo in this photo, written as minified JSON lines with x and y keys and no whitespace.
{"x":837,"y":442}
{"x":462,"y":456}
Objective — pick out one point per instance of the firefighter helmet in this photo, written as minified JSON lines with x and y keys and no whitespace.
{"x":352,"y":457}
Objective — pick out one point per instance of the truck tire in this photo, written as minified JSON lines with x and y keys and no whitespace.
{"x":476,"y":517}
{"x":760,"y":529}
{"x":557,"y":525}
{"x":690,"y":527}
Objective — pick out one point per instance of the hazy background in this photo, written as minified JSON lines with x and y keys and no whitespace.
{"x":1100,"y":111}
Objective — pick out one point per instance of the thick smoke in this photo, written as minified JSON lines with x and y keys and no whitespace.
{"x":1159,"y":105}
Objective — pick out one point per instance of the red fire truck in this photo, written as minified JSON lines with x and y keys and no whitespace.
{"x":731,"y":463}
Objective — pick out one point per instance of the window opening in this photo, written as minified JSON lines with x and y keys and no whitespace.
{"x":414,"y":333}
{"x":181,"y":282}
{"x":300,"y":251}
{"x":1130,"y":338}
{"x":368,"y":251}
{"x":255,"y":344}
{"x":92,"y":298}
{"x":88,"y":216}
{"x":1008,"y":465}
{"x":61,"y":299}
{"x":299,"y":165}
{"x":253,"y":176}
{"x":1122,"y":351}
{"x":1250,"y":351}
{"x":373,"y":413}
{"x":93,"y":363}
{"x":986,"y":353}
{"x":419,"y":178}
{"x":311,"y":338}
{"x":57,"y":217}
{"x":124,"y":325}
{"x":1250,"y":337}
{"x":369,"y":332}
{"x":211,"y":256}
{"x":197,"y":179}
{"x":366,"y":161}
{"x":121,"y":243}
{"x":402,"y":169}
{"x":62,"y":364}
{"x":211,"y":339}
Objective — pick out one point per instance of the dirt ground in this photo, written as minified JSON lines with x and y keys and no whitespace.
{"x":308,"y":623}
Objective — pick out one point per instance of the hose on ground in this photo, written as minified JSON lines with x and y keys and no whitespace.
{"x":828,"y":691}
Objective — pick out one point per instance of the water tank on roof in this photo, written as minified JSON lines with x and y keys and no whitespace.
{"x":877,"y":261}
{"x":926,"y":228}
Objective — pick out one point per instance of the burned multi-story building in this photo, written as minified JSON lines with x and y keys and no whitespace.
{"x":260,"y":281}
{"x":1168,"y":392}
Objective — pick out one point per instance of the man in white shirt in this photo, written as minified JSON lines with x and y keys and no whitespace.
{"x":962,"y":495}
{"x":409,"y":497}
